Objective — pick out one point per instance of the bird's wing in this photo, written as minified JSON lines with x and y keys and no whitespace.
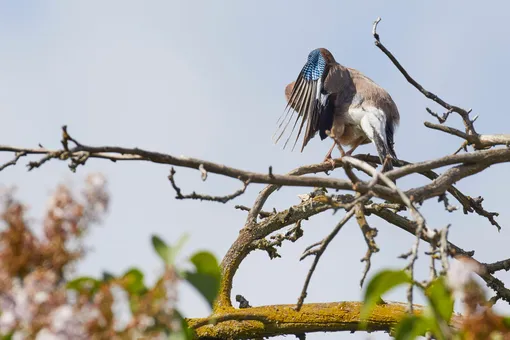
{"x":313,"y":101}
{"x":381,"y":115}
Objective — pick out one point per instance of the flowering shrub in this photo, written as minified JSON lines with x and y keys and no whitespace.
{"x":39,"y":298}
{"x":478,"y":320}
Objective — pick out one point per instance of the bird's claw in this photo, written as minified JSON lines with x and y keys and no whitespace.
{"x":331,"y":161}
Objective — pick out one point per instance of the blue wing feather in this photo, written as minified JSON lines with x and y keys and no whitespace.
{"x":308,"y":100}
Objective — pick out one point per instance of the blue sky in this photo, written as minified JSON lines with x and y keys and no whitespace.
{"x":206,"y":79}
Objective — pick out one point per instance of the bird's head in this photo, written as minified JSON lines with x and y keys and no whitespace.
{"x":316,"y":63}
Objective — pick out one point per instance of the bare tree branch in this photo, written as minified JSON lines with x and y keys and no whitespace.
{"x":417,"y":216}
{"x":293,"y":234}
{"x":478,"y":141}
{"x":440,"y":119}
{"x":262,"y":214}
{"x":497,"y":266}
{"x":369,"y":235}
{"x":258,"y":322}
{"x":448,"y":130}
{"x":468,"y":204}
{"x":195,"y":196}
{"x":17,"y":156}
{"x":249,"y":236}
{"x":81,"y":153}
{"x":318,"y":253}
{"x":451,"y":108}
{"x":453,"y":250}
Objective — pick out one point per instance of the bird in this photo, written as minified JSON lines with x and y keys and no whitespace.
{"x":342,"y":103}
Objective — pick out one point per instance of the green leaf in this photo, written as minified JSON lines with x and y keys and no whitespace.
{"x":8,"y":336}
{"x":440,"y":298}
{"x":166,"y":252}
{"x":506,"y":321}
{"x":206,"y":263}
{"x":160,"y":247}
{"x":84,"y":285}
{"x":206,"y":284}
{"x":380,"y":284}
{"x":132,"y":281}
{"x":134,"y":303}
{"x":410,"y":327}
{"x":207,"y":275}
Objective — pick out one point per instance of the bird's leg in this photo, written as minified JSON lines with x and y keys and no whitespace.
{"x":328,"y":157}
{"x":355,"y":145}
{"x":342,"y":151}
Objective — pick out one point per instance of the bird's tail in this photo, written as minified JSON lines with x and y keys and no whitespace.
{"x":386,"y":152}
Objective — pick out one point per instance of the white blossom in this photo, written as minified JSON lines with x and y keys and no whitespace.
{"x":461,"y":272}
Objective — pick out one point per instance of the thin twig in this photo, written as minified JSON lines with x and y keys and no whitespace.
{"x":17,"y":156}
{"x":417,"y":216}
{"x":441,"y":119}
{"x":476,"y":203}
{"x":112,"y":153}
{"x":467,"y":204}
{"x":443,"y":249}
{"x":195,"y":196}
{"x":492,"y":301}
{"x":252,"y":233}
{"x":410,"y":226}
{"x":433,"y":272}
{"x":323,"y":245}
{"x":463,"y":146}
{"x":443,"y":198}
{"x":470,"y":129}
{"x":497,"y":266}
{"x":293,"y":234}
{"x":447,"y":129}
{"x":369,"y":235}
{"x":262,"y":214}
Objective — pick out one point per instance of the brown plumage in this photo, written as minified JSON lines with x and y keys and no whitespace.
{"x":348,"y":107}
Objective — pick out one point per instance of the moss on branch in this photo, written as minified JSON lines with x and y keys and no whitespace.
{"x":257,"y":322}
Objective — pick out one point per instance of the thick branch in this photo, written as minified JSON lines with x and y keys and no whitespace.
{"x":268,"y":190}
{"x":120,"y":153}
{"x":81,"y":153}
{"x":240,"y":248}
{"x":258,"y":322}
{"x":246,"y":241}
